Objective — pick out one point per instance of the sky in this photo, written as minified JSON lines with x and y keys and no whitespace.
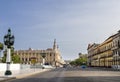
{"x":73,"y":23}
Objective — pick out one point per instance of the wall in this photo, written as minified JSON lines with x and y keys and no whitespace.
{"x":12,"y":66}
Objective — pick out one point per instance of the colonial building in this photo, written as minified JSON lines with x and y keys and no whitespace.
{"x":52,"y":56}
{"x":105,"y":54}
{"x":116,"y":49}
{"x":91,"y":48}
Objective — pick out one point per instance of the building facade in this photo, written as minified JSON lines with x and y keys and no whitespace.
{"x":90,"y":55}
{"x":105,"y":54}
{"x":52,"y":56}
{"x":116,"y":49}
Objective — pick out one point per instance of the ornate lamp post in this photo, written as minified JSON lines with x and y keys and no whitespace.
{"x":8,"y":41}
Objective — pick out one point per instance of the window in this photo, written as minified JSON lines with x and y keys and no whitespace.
{"x":22,"y":59}
{"x":118,"y":43}
{"x":50,"y":54}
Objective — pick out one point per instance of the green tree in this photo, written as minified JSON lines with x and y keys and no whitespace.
{"x":79,"y":61}
{"x":4,"y":59}
{"x":14,"y":58}
{"x":1,"y":46}
{"x":72,"y":63}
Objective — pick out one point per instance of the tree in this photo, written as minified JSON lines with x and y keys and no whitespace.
{"x":4,"y":59}
{"x":72,"y":63}
{"x":4,"y":56}
{"x":1,"y":46}
{"x":14,"y":58}
{"x":79,"y":61}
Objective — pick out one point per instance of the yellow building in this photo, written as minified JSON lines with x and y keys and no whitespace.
{"x":91,"y":52}
{"x":52,"y":56}
{"x":101,"y":54}
{"x":116,"y":49}
{"x":106,"y":54}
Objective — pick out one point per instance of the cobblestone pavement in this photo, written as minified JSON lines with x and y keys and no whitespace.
{"x":74,"y":74}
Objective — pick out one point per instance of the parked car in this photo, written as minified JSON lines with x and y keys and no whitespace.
{"x":47,"y":67}
{"x":83,"y":66}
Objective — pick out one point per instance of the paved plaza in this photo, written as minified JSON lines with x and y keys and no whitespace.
{"x":73,"y":74}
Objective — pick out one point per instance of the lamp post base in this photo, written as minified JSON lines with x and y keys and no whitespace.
{"x":8,"y":72}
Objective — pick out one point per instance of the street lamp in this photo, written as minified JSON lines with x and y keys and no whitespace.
{"x":8,"y":41}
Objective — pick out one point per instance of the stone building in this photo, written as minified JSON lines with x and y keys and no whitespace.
{"x":52,"y":56}
{"x":105,"y":54}
{"x":116,"y":49}
{"x":90,"y":49}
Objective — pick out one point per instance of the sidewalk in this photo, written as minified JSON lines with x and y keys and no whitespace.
{"x":105,"y":69}
{"x":20,"y":74}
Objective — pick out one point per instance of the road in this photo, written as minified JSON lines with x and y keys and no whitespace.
{"x":73,"y":75}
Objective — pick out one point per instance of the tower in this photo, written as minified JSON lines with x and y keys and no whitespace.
{"x":54,"y":45}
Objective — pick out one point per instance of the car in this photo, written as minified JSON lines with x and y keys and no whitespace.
{"x":47,"y":67}
{"x":83,"y":66}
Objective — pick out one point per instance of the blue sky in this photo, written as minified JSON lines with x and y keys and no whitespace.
{"x":74,"y":23}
